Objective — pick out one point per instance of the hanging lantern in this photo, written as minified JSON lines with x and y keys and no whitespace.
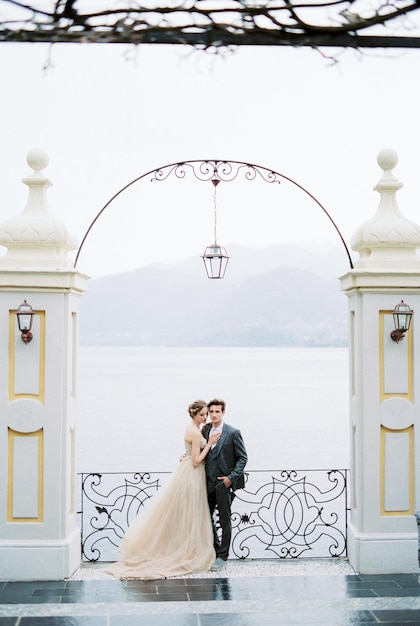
{"x":215,"y":261}
{"x":215,"y":257}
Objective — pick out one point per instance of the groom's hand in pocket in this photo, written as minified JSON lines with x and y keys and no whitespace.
{"x":226,"y":481}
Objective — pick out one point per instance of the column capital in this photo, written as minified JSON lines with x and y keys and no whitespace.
{"x":36,"y":239}
{"x":388,"y":239}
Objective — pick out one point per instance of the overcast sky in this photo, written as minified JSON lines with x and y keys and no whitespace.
{"x":107,"y":114}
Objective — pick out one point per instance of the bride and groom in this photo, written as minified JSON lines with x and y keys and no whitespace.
{"x":178,"y":534}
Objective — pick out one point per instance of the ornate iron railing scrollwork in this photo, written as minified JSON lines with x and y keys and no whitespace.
{"x":108,"y":506}
{"x":293,"y":515}
{"x":285,"y":514}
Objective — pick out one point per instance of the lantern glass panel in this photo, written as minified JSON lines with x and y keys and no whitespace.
{"x":24,"y":316}
{"x":402,"y":316}
{"x":215,"y":261}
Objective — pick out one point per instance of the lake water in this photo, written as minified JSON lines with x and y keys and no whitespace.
{"x":291,"y":404}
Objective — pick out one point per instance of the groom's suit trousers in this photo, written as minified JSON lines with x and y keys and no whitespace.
{"x":220,"y":496}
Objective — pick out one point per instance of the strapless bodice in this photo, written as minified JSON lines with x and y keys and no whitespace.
{"x":188,"y":446}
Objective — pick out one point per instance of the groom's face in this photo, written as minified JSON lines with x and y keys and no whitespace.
{"x":216,"y":414}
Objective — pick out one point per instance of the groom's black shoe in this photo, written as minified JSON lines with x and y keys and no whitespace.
{"x":218,"y":564}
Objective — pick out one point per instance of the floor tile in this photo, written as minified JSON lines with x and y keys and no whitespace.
{"x":203,"y":582}
{"x":147,"y":586}
{"x":156,"y":597}
{"x":18,"y":598}
{"x":343,"y":622}
{"x":64,"y":621}
{"x":334,"y":618}
{"x":244,"y":619}
{"x":55,"y":593}
{"x":399,"y":592}
{"x":87,"y":599}
{"x":208,"y":585}
{"x":139,"y":596}
{"x":113,"y":585}
{"x":387,"y":577}
{"x":154,"y":620}
{"x":397,"y":617}
{"x":30,"y":586}
{"x":361,"y":593}
{"x":217,"y":595}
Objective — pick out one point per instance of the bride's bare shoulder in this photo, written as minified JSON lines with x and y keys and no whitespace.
{"x":191,"y":433}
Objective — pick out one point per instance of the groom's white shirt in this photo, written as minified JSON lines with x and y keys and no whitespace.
{"x":215,"y":431}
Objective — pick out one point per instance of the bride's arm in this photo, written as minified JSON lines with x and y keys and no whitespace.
{"x":198,"y":455}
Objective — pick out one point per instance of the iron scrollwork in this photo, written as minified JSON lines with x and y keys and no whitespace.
{"x":296,"y":514}
{"x":284,"y":514}
{"x":108,"y":507}
{"x":225,"y":171}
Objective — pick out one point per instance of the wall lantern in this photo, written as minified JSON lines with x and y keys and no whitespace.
{"x":215,"y":257}
{"x":402,"y":318}
{"x":25,"y":316}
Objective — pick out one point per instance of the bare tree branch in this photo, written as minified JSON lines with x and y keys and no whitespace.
{"x":214,"y":23}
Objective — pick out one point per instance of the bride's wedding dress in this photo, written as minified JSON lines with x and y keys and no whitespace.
{"x":175,"y":537}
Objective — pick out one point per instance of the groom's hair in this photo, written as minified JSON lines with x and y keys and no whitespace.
{"x":217,"y":402}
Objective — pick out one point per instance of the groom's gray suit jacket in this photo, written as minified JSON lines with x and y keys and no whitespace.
{"x":228,"y":457}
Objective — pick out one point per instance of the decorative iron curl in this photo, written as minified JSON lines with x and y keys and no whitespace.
{"x":206,"y":170}
{"x":163,"y":173}
{"x":289,"y":475}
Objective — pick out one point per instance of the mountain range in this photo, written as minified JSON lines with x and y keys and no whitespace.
{"x":278,"y":296}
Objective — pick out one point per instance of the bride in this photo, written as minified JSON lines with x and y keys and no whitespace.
{"x":176,"y":537}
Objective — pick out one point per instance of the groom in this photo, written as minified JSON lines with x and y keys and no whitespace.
{"x":225,"y":465}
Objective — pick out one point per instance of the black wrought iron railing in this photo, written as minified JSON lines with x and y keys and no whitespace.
{"x":280,"y":514}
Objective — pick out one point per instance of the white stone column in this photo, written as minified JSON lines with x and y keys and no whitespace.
{"x":384,"y":387}
{"x":39,"y":534}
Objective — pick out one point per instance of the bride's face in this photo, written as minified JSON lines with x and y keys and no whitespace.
{"x":202,"y":415}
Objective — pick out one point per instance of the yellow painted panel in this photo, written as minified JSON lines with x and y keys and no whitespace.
{"x":74,"y":339}
{"x":352,"y":353}
{"x":12,"y":435}
{"x":409,"y":355}
{"x":410,"y":470}
{"x":41,"y":359}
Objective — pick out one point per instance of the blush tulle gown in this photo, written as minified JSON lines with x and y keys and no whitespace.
{"x":175,"y":537}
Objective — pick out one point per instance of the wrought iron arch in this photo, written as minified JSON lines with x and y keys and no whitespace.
{"x":207,"y":170}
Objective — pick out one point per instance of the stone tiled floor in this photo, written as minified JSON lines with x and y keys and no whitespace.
{"x":327,"y":600}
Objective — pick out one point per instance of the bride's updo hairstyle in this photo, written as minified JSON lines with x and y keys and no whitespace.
{"x":196,"y":407}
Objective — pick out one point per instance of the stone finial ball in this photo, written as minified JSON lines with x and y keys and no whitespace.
{"x":387,"y":159}
{"x":37,"y":159}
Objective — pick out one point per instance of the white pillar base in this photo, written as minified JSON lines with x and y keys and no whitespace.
{"x":381,"y":553}
{"x":40,"y":560}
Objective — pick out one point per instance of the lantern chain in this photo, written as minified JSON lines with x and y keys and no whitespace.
{"x":215,"y":182}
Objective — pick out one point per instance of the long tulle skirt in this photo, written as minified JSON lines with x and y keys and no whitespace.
{"x":173,"y":538}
